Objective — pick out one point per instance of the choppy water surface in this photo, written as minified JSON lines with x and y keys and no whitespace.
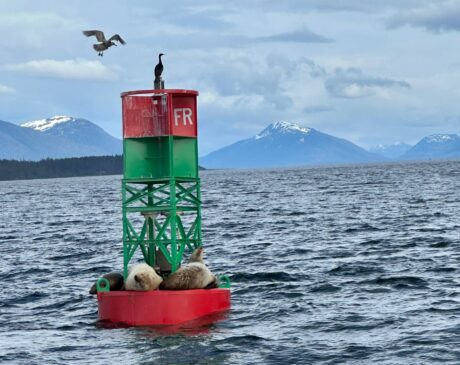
{"x":353,"y":264}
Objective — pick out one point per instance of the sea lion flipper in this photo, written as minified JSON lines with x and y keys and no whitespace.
{"x":93,"y":290}
{"x":213,"y":284}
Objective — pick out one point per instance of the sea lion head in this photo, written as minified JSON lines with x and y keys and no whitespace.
{"x":197,"y":255}
{"x":142,"y":280}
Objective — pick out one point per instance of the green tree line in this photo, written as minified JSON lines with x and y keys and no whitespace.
{"x":65,"y":167}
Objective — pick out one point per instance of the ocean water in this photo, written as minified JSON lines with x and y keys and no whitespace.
{"x":329,"y":265}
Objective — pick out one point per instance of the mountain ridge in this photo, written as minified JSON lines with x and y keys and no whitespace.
{"x":279,"y":144}
{"x":55,"y":137}
{"x":435,"y":146}
{"x":287,"y":144}
{"x":391,"y":151}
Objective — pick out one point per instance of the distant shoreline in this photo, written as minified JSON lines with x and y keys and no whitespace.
{"x":51,"y":168}
{"x":62,"y":167}
{"x":113,"y":165}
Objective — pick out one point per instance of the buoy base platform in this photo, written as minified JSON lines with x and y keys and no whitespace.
{"x":161,"y":307}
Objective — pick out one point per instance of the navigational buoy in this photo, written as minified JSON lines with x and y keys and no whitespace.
{"x":161,"y":207}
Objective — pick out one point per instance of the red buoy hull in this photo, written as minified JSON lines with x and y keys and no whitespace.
{"x":161,"y":307}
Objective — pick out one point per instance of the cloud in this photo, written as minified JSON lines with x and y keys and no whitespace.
{"x":78,"y":69}
{"x":297,"y":36}
{"x":243,"y":79}
{"x":292,"y":68}
{"x":436,"y":17}
{"x":352,"y":83}
{"x":315,"y":69}
{"x":6,"y":89}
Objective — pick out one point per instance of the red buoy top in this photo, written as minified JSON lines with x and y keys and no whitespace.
{"x":162,"y":112}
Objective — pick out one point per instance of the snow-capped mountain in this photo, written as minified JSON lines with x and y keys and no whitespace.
{"x":436,"y":146}
{"x":93,"y":140}
{"x":392,"y":151}
{"x":45,"y":124}
{"x":287,"y":144}
{"x":282,"y":128}
{"x":55,"y":137}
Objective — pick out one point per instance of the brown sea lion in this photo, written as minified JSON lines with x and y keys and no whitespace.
{"x":194,"y":275}
{"x":115,"y":282}
{"x":142,"y":277}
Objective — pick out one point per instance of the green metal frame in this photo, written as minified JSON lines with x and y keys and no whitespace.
{"x":163,"y":231}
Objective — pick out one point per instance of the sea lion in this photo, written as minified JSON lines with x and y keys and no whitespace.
{"x":194,"y":275}
{"x":142,"y":277}
{"x":115,"y":282}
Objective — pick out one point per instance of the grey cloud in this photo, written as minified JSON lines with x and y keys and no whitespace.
{"x":436,"y":18}
{"x":352,"y":83}
{"x":216,"y":39}
{"x":315,"y":69}
{"x":297,"y":36}
{"x":241,"y":76}
{"x":292,"y":67}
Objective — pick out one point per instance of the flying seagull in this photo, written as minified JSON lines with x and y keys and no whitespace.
{"x":104,"y":43}
{"x":158,"y":71}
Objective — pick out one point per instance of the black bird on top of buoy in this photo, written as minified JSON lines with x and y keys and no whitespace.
{"x":159,"y":83}
{"x":104,"y":43}
{"x":159,"y":67}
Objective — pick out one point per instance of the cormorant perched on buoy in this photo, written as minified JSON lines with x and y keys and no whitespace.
{"x":158,"y":71}
{"x":159,"y":68}
{"x":104,"y":43}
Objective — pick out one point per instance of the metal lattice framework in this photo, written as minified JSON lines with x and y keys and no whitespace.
{"x":160,"y":218}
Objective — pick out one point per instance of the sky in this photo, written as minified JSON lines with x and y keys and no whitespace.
{"x":372,"y":72}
